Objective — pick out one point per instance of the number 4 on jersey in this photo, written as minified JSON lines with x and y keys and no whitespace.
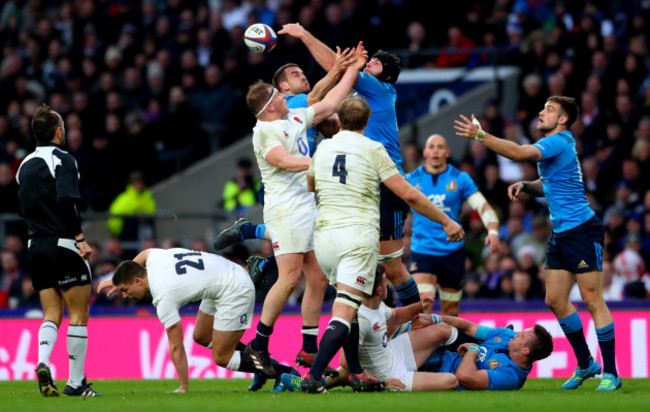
{"x":338,"y":170}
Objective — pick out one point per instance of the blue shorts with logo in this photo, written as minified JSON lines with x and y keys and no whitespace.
{"x":578,"y":250}
{"x":450,"y":269}
{"x":393,"y":211}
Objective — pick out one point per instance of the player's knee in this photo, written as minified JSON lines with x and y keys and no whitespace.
{"x":201,"y":339}
{"x":552,"y":301}
{"x":592,"y":301}
{"x":222,"y":359}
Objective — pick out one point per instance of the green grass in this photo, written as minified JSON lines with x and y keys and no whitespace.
{"x":232,"y":395}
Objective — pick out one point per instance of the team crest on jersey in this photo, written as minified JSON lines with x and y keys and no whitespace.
{"x":414,"y":266}
{"x":452,"y":186}
{"x":418,"y":187}
{"x":298,"y":120}
{"x":276,"y":246}
{"x":493,"y":363}
{"x":376,"y":327}
{"x":498,"y":339}
{"x":286,"y":134}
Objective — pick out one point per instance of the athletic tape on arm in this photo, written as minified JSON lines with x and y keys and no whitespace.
{"x":477,"y":201}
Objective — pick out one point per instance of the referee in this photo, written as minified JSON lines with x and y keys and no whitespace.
{"x":57,"y":250}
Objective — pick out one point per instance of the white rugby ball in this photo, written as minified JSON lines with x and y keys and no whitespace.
{"x":260,"y":38}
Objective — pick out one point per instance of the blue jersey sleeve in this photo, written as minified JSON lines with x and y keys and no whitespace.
{"x":296,"y":102}
{"x":368,"y":85}
{"x":467,"y":185}
{"x":503,"y":379}
{"x":551,"y":146}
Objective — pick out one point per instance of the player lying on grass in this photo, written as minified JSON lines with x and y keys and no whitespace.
{"x":176,"y":277}
{"x":395,"y":362}
{"x":423,"y":360}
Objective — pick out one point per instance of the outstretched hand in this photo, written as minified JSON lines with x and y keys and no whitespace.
{"x":344,"y":59}
{"x":454,"y":231}
{"x":514,"y":190}
{"x":466,"y":127}
{"x":107,"y":284}
{"x":293,"y":30}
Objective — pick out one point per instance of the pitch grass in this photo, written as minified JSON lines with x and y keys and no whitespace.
{"x":232,"y":395}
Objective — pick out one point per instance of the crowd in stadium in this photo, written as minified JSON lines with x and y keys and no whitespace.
{"x":130,"y":77}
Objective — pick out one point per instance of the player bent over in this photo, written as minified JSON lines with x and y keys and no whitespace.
{"x":176,"y":277}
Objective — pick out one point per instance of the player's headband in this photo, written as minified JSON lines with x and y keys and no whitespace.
{"x":268,"y":102}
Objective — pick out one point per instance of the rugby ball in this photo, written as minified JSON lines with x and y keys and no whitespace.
{"x":260,"y":38}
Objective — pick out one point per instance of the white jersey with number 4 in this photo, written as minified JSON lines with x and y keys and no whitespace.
{"x":180,"y":276}
{"x":284,"y":192}
{"x":348,"y":169}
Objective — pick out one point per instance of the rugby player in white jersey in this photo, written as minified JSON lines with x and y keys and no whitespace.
{"x":346,"y":172}
{"x":282,"y":152}
{"x":176,"y":277}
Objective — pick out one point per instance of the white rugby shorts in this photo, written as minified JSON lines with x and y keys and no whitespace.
{"x":293,"y":234}
{"x":233,"y":309}
{"x":404,"y":366}
{"x":348,"y":255}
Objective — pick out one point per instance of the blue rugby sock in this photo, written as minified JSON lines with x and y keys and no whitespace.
{"x":408,"y":292}
{"x":248,"y":231}
{"x":572,"y":328}
{"x":607,"y":345}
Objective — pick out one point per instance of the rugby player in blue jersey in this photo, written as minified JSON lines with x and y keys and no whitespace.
{"x":375,"y":84}
{"x":434,"y":260}
{"x":574,"y":251}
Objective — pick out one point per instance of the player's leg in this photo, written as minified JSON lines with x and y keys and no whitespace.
{"x":425,"y":341}
{"x":558,"y":286}
{"x":434,"y":381}
{"x":289,"y":272}
{"x":591,"y":290}
{"x":451,"y":273}
{"x":312,"y":302}
{"x":203,"y":330}
{"x":52,"y":304}
{"x":240,"y":230}
{"x":393,"y":212}
{"x":427,"y":286}
{"x":391,"y":258}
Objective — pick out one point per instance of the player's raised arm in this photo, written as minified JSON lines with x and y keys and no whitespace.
{"x":343,"y":60}
{"x":472,"y":129}
{"x":319,"y":50}
{"x":178,"y":355}
{"x":330,"y":103}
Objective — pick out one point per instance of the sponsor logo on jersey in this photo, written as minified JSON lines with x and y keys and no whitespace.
{"x":493,"y":364}
{"x":376,"y":326}
{"x":361,"y":281}
{"x":498,"y":339}
{"x":243,"y":318}
{"x":418,"y":187}
{"x":276,"y":246}
{"x":452,"y":186}
{"x":84,"y":277}
{"x":414,"y":266}
{"x":297,"y":119}
{"x":44,"y":342}
{"x":286,"y":134}
{"x":582,"y":265}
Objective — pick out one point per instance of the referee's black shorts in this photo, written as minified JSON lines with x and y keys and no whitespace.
{"x":55,"y":263}
{"x":393,"y":211}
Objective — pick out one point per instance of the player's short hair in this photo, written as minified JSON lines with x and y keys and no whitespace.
{"x":392,"y":66}
{"x":44,"y":123}
{"x":379,"y":275}
{"x":127,"y":271}
{"x":354,"y":113}
{"x":257,"y":96}
{"x":280,"y":75}
{"x":568,"y":105}
{"x":542,"y":346}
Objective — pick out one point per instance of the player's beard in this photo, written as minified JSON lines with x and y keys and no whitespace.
{"x":545,"y":129}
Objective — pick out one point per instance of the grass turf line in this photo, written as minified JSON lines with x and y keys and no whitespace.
{"x":232,"y":395}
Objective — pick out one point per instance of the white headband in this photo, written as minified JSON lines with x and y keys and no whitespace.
{"x":268,"y":102}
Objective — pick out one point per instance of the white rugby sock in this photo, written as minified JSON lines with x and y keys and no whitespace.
{"x":77,"y":346}
{"x":47,"y":335}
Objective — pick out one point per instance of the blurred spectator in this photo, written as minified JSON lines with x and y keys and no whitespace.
{"x":135,"y":200}
{"x":457,"y":51}
{"x":240,"y":193}
{"x":630,"y":266}
{"x":16,"y":288}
